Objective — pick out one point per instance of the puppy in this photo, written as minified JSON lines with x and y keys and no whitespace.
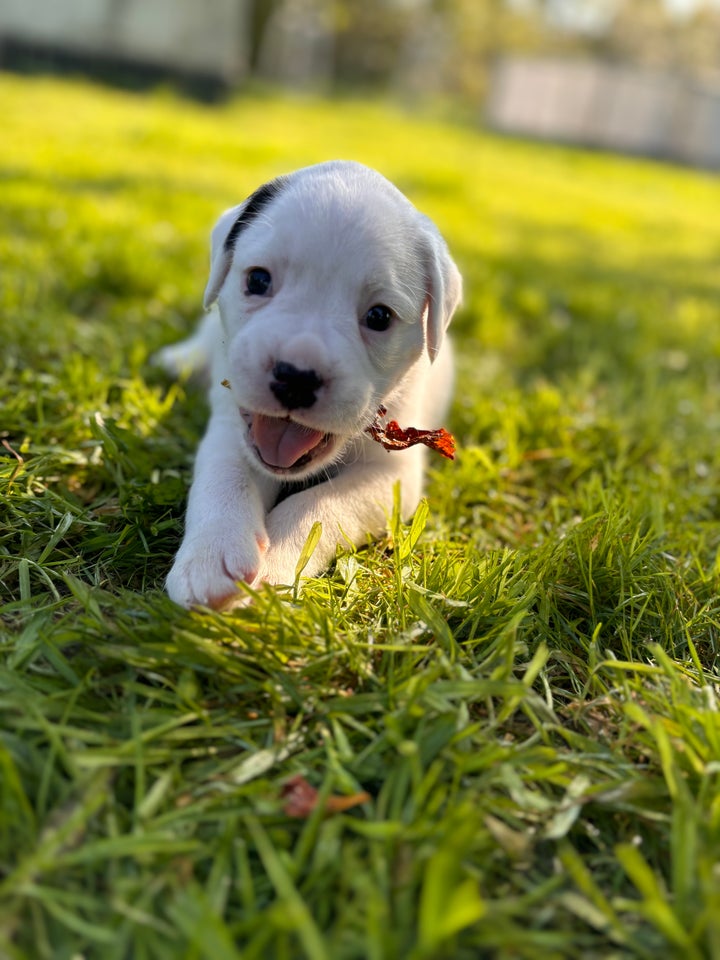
{"x":331,"y":295}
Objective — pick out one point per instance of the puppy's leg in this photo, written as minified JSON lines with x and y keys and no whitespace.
{"x":353,"y":505}
{"x":225,"y":535}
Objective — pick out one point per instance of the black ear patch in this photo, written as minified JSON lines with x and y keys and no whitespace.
{"x":255,"y":203}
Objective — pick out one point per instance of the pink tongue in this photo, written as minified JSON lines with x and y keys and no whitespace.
{"x":281,"y":442}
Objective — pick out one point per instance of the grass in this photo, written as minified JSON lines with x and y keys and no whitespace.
{"x":524,"y":679}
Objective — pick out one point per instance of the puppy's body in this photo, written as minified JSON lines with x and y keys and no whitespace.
{"x":333,"y":294}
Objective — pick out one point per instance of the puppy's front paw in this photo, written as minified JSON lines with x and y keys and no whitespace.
{"x":297,"y":545}
{"x":208,"y":568}
{"x":277,"y":568}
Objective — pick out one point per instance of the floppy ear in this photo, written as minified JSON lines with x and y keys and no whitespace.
{"x":444,"y":288}
{"x":221,"y":253}
{"x":230,"y":225}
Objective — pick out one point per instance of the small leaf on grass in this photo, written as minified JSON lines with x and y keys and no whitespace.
{"x":434,"y":621}
{"x":58,"y":533}
{"x":29,"y":640}
{"x":447,"y":903}
{"x":84,"y":593}
{"x":540,"y":658}
{"x":313,"y":538}
{"x":209,"y":935}
{"x":655,"y":904}
{"x":24,"y":578}
{"x":297,"y":916}
{"x":586,"y":911}
{"x":301,"y":799}
{"x":516,"y":844}
{"x":18,"y":466}
{"x":584,"y":880}
{"x":73,"y":921}
{"x":14,"y":800}
{"x":570,"y":808}
{"x":376,"y":829}
{"x":419,"y":521}
{"x":255,"y":764}
{"x":66,"y":832}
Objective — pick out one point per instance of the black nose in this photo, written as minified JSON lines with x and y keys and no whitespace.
{"x":294,"y":388}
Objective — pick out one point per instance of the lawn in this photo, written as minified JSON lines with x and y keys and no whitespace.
{"x":523,"y":680}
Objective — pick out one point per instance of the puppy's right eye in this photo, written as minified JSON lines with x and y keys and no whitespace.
{"x":378,"y":318}
{"x":258,"y":282}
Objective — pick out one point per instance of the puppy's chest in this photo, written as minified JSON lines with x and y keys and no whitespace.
{"x":297,"y":486}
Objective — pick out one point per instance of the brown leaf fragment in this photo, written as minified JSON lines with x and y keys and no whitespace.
{"x":13,"y":452}
{"x":338,"y":804}
{"x":301,"y":799}
{"x":394,"y":437}
{"x":18,"y":466}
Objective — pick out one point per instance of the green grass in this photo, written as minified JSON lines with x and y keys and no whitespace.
{"x":525,"y":680}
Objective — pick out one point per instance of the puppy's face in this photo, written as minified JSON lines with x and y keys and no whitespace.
{"x":330,"y":287}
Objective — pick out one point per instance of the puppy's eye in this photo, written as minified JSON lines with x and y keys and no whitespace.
{"x":378,"y":318}
{"x":258,"y":282}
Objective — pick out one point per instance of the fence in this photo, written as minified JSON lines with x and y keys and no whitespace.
{"x":211,"y":39}
{"x":627,"y":109}
{"x":204,"y":39}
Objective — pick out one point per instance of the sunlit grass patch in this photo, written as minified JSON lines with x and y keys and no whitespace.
{"x":523,"y":678}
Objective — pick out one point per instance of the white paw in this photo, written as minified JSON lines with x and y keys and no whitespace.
{"x":179,"y":360}
{"x":278,"y":568}
{"x":296,"y":541}
{"x":209,"y":566}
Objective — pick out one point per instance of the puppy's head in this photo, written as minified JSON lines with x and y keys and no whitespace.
{"x":331,"y":287}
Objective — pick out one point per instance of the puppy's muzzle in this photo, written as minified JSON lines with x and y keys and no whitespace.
{"x":295,"y":389}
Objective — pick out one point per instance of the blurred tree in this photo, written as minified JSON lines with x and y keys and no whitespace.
{"x":641,"y":32}
{"x":480,"y":32}
{"x":586,"y":16}
{"x":450,"y":45}
{"x":260,"y":15}
{"x":425,"y":48}
{"x":295,"y":42}
{"x":648,"y":33}
{"x":699,"y":43}
{"x":369,"y":38}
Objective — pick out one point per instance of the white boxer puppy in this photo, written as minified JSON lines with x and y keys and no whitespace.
{"x":331,"y":297}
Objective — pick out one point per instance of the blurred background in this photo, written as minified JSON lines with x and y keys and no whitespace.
{"x":638,"y":76}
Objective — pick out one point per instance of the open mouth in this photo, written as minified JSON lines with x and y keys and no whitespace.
{"x":284,"y":446}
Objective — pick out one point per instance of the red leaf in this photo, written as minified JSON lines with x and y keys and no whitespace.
{"x":301,"y":799}
{"x":394,"y":437}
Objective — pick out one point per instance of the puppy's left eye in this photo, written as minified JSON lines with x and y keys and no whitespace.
{"x":378,"y":318}
{"x":258,"y":282}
